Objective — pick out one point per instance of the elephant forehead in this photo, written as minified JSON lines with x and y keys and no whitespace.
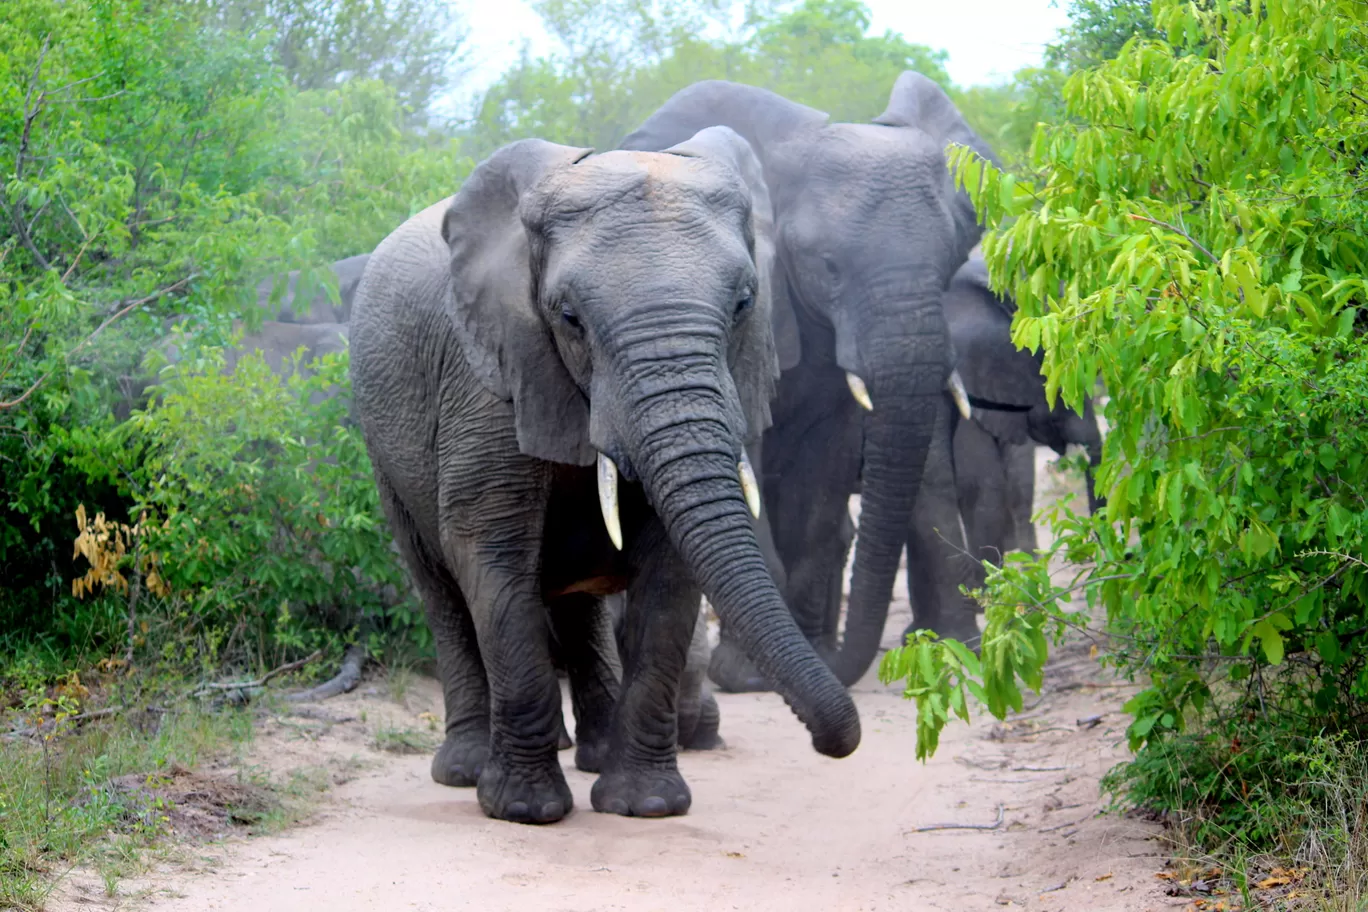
{"x":665,"y":184}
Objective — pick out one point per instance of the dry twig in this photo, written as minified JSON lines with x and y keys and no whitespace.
{"x":930,"y":828}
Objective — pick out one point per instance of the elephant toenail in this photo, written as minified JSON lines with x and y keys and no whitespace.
{"x":551,"y":812}
{"x":517,"y":810}
{"x":654,"y":806}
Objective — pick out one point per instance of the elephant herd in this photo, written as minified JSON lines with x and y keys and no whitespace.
{"x":599,"y":387}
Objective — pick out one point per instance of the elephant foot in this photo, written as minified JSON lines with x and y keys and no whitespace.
{"x":732,"y":670}
{"x":703,"y":735}
{"x":461,"y":759}
{"x":524,"y":794}
{"x":591,"y":754}
{"x":642,"y":793}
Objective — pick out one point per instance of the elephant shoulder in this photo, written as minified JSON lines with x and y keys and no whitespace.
{"x":410,"y":265}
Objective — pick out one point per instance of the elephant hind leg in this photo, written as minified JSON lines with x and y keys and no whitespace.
{"x":461,"y":758}
{"x":586,"y":648}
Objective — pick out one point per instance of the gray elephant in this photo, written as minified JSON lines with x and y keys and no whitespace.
{"x":870,"y":230}
{"x":995,"y":450}
{"x":568,"y":335}
{"x":320,"y":307}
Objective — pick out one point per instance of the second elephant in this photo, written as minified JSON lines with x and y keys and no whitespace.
{"x":995,"y":450}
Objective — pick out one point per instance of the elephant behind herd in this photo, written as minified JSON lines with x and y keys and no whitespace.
{"x":713,"y":338}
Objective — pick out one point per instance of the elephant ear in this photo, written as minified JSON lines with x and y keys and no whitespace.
{"x":755,"y":362}
{"x":762,"y":117}
{"x":502,"y":334}
{"x":1004,"y":383}
{"x":918,"y":102}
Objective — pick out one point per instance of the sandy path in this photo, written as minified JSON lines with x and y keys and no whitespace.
{"x":774,"y":826}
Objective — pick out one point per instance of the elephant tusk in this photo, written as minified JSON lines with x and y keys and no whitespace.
{"x":960,"y":395}
{"x":608,"y":498}
{"x":749,"y":487}
{"x":860,"y":392}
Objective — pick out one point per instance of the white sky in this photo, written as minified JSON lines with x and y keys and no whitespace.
{"x":987,"y":39}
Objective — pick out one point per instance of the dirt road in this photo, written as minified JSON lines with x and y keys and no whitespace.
{"x":774,"y":826}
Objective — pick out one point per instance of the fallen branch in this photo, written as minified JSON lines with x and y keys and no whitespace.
{"x":1061,"y":826}
{"x":78,"y":719}
{"x":345,"y":682}
{"x":260,"y":682}
{"x":1001,"y":813}
{"x":1040,"y":769}
{"x":1057,"y":887}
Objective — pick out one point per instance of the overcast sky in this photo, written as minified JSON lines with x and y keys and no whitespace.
{"x":987,"y":39}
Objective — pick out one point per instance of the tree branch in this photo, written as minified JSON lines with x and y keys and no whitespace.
{"x":1176,"y":230}
{"x":99,"y":329}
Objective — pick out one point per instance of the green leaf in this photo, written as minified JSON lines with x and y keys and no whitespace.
{"x":1272,"y":641}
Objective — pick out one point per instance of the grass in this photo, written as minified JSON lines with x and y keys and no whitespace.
{"x":396,"y":740}
{"x":1283,"y":829}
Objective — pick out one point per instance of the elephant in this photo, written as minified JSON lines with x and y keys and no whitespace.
{"x":995,"y":450}
{"x":320,"y":308}
{"x":276,"y":342}
{"x":574,"y":333}
{"x":869,"y":231}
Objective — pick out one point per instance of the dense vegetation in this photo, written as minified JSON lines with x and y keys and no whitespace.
{"x":1192,"y":234}
{"x":1180,"y":220}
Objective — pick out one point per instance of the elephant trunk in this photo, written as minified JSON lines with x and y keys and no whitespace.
{"x":907,"y":389}
{"x":688,"y":465}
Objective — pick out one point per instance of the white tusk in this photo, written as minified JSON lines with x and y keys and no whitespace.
{"x":860,"y":392}
{"x":960,"y":395}
{"x":608,"y":498}
{"x":748,"y":485}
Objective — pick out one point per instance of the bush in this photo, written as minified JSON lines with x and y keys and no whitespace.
{"x":1195,"y":237}
{"x":159,"y":167}
{"x":262,"y":514}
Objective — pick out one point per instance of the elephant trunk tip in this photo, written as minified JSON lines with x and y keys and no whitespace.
{"x":839,"y":740}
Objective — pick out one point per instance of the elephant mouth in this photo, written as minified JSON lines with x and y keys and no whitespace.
{"x":608,"y":475}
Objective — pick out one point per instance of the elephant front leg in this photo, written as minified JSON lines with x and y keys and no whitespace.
{"x":640,"y":777}
{"x":522,"y":780}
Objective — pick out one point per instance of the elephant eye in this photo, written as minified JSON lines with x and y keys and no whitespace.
{"x":571,"y":318}
{"x":744,"y":303}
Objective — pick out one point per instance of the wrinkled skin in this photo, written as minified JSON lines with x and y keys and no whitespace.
{"x":699,"y":717}
{"x":870,"y":230}
{"x":994,"y":451}
{"x":559,"y":307}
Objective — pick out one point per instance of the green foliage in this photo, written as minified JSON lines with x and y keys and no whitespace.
{"x":1097,"y":31}
{"x":1195,"y":237}
{"x":410,"y":45}
{"x":157,"y":167}
{"x":263,"y":513}
{"x":623,"y":58}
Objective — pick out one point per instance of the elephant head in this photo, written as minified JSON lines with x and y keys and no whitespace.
{"x":619,"y":303}
{"x":1003,"y":384}
{"x":870,"y":230}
